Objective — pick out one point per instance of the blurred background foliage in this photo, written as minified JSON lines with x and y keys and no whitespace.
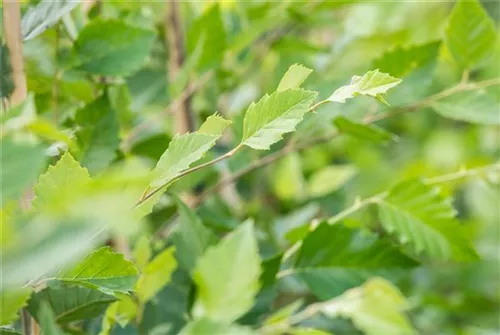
{"x":236,"y":51}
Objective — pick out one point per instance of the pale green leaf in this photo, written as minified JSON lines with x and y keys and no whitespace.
{"x":330,"y":179}
{"x":470,"y":34}
{"x":70,"y":302}
{"x":21,"y":163}
{"x":374,"y":83}
{"x":44,"y":15}
{"x":191,"y":238}
{"x":47,"y":322}
{"x":377,"y":307}
{"x":283,"y":313}
{"x":102,"y":45}
{"x":209,"y":327}
{"x":156,"y":275}
{"x":142,"y":252}
{"x":472,"y":106}
{"x":11,"y":302}
{"x":104,"y":270}
{"x":120,"y":312}
{"x":186,"y":149}
{"x":334,"y":258}
{"x":227,"y":276}
{"x":419,"y":216}
{"x":272,"y":116}
{"x":308,"y":331}
{"x":402,"y":60}
{"x":59,"y":181}
{"x":287,"y":179}
{"x":49,"y":131}
{"x":369,"y":133}
{"x":294,"y":77}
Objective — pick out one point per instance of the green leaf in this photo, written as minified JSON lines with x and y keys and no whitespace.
{"x":266,"y":121}
{"x":287,"y":179}
{"x":8,"y":331}
{"x":70,"y":302}
{"x":308,"y":331}
{"x":186,"y":149}
{"x":112,"y":48}
{"x":369,"y":133}
{"x":208,"y":28}
{"x":294,"y":77}
{"x":374,"y":83}
{"x":191,"y":238}
{"x":104,"y":270}
{"x":142,"y":252}
{"x":227,"y":276}
{"x":120,"y":312}
{"x":402,"y":60}
{"x":21,"y":163}
{"x":419,"y":216}
{"x":44,"y":15}
{"x":375,"y":308}
{"x":470,"y":34}
{"x":209,"y":327}
{"x":156,"y":275}
{"x":472,"y":106}
{"x":6,"y":81}
{"x":283,"y":313}
{"x":46,"y":320}
{"x":330,"y":179}
{"x":59,"y":181}
{"x":98,"y":134}
{"x":334,"y":258}
{"x":11,"y":302}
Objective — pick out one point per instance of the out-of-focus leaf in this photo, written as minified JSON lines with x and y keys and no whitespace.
{"x":308,"y":331}
{"x":272,"y":116}
{"x":186,"y":149}
{"x":294,"y":77}
{"x":21,"y":163}
{"x":142,"y":252}
{"x":369,"y":133}
{"x":120,"y":312}
{"x":374,"y":83}
{"x":191,"y":238}
{"x":12,"y":301}
{"x":208,"y":28}
{"x":44,"y":15}
{"x":334,"y":258}
{"x":112,"y":48}
{"x":470,"y":34}
{"x":70,"y":302}
{"x":98,"y":134}
{"x":227,"y":276}
{"x":287,"y":179}
{"x":8,"y":331}
{"x":419,"y":216}
{"x":47,"y":322}
{"x":472,"y":106}
{"x":104,"y":270}
{"x":376,"y":308}
{"x":59,"y":181}
{"x":283,"y":313}
{"x":6,"y":82}
{"x":208,"y":327}
{"x":156,"y":275}
{"x":330,"y":179}
{"x":402,"y":60}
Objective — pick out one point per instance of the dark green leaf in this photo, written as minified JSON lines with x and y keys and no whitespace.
{"x":365,"y":132}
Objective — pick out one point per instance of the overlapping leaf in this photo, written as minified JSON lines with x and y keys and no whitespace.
{"x":11,"y":302}
{"x":470,"y":34}
{"x":104,"y":270}
{"x":334,"y":258}
{"x":70,"y":302}
{"x":294,"y":77}
{"x":209,"y":327}
{"x":419,"y":216}
{"x":364,"y":132}
{"x":227,"y":276}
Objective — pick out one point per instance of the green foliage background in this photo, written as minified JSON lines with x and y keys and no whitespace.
{"x":342,"y":176}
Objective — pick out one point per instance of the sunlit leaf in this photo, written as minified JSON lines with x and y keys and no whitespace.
{"x":104,"y":270}
{"x":330,"y":179}
{"x":12,"y":301}
{"x":208,"y":327}
{"x":274,"y":115}
{"x":294,"y":77}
